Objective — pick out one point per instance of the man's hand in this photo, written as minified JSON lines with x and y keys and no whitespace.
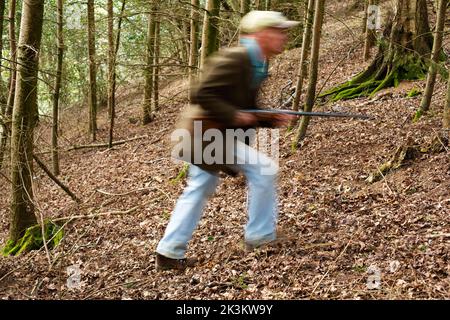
{"x":245,"y":119}
{"x":281,"y":120}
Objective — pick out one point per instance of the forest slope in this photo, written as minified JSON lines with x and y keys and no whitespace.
{"x":344,"y":230}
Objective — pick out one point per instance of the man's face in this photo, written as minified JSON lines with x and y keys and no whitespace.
{"x":272,"y":40}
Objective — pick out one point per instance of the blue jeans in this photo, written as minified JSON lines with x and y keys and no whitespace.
{"x":261,"y":173}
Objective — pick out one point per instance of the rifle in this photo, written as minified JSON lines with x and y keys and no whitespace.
{"x":265,"y":117}
{"x":260,"y":114}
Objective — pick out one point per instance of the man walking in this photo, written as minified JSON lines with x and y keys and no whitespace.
{"x":229,"y":84}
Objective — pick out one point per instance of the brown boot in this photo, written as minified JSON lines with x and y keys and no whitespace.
{"x":165,"y":263}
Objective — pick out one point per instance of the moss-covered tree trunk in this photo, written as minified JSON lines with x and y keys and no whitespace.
{"x":403,"y":54}
{"x":25,"y":114}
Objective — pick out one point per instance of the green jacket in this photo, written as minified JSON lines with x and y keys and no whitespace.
{"x":224,"y":88}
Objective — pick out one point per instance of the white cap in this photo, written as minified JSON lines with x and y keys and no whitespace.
{"x":255,"y":21}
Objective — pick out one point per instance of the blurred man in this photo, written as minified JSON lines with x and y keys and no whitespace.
{"x":229,"y":84}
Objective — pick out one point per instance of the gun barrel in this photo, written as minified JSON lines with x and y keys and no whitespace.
{"x":309,"y":114}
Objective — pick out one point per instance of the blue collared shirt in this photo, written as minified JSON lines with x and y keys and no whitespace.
{"x":259,"y":64}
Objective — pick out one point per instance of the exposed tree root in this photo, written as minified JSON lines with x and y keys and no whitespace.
{"x":387,"y":70}
{"x":407,"y":152}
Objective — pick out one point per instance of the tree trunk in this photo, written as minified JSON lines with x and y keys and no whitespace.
{"x":245,"y":7}
{"x":304,"y":56}
{"x":156,"y":63}
{"x":12,"y":80}
{"x":184,"y":39}
{"x":193,"y":56}
{"x":92,"y":70}
{"x":258,"y":4}
{"x":59,"y":35}
{"x":210,"y":42}
{"x":2,"y":84}
{"x":401,"y":57}
{"x":313,"y":71}
{"x":364,"y":24}
{"x":149,"y":71}
{"x":3,"y":90}
{"x":112,"y":58}
{"x":25,"y":115}
{"x":446,"y":121}
{"x":110,"y":100}
{"x":13,"y":49}
{"x":437,"y":49}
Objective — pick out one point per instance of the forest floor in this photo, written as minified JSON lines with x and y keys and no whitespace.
{"x":350,"y":239}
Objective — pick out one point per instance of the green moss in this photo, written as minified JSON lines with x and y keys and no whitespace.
{"x":417,"y":115}
{"x":33,"y":240}
{"x":413,"y":69}
{"x":357,"y":90}
{"x":293,"y":147}
{"x":413,"y":93}
{"x":241,"y":282}
{"x":379,"y":76}
{"x":443,"y":72}
{"x":182,"y":174}
{"x":360,"y":268}
{"x":388,"y":81}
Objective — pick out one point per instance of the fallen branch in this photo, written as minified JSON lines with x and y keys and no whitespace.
{"x":104,"y":145}
{"x":385,"y":181}
{"x":442,"y":140}
{"x":4,"y":121}
{"x":102,"y":214}
{"x":437,"y":235}
{"x":153,"y":161}
{"x":90,"y":216}
{"x":2,"y":174}
{"x":55,"y":179}
{"x":120,"y":194}
{"x":136,"y":190}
